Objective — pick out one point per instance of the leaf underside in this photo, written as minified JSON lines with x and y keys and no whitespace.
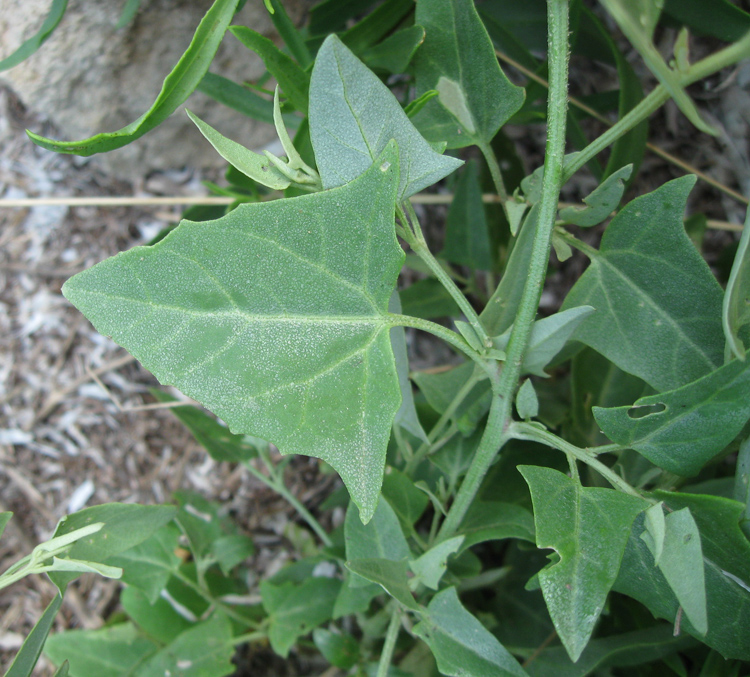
{"x":275,"y":318}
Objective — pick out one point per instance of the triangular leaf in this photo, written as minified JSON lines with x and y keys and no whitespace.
{"x":275,"y":318}
{"x":431,"y":566}
{"x":601,"y":202}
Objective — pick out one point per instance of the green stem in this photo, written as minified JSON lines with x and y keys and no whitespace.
{"x":277,"y":484}
{"x":390,"y":643}
{"x":503,"y":388}
{"x":420,"y":248}
{"x":249,"y":637}
{"x":494,"y":167}
{"x":526,"y":431}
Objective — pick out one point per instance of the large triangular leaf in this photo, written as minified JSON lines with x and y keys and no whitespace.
{"x":588,"y":529}
{"x":353,"y":115}
{"x":658,"y":305}
{"x":275,"y":318}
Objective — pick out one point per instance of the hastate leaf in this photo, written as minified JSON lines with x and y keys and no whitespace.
{"x":457,"y":59}
{"x":353,"y":116}
{"x":588,"y":529}
{"x":602,"y":201}
{"x":658,"y":305}
{"x":681,"y":430}
{"x":275,"y":318}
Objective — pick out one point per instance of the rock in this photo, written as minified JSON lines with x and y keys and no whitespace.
{"x":91,"y":77}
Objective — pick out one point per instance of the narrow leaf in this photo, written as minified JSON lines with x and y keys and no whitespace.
{"x":458,"y":59}
{"x":588,"y":529}
{"x":292,"y":37}
{"x":431,"y":566}
{"x":736,"y":307}
{"x":239,"y":98}
{"x":389,"y":575}
{"x":294,"y":82}
{"x":353,"y":116}
{"x":178,"y":85}
{"x":4,"y":519}
{"x":81,"y":567}
{"x":28,"y":655}
{"x":601,"y":202}
{"x":655,"y":530}
{"x":462,"y":646}
{"x":287,"y":338}
{"x":718,"y":18}
{"x":128,"y":13}
{"x":681,"y":430}
{"x":28,"y":47}
{"x":658,"y":304}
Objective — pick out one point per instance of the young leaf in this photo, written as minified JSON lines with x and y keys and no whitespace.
{"x":28,"y":47}
{"x":457,"y":58}
{"x":115,"y":651}
{"x":241,"y":99}
{"x":204,"y":649}
{"x":294,"y":610}
{"x":656,"y":529}
{"x":527,"y":403}
{"x":389,"y":575}
{"x":341,"y":650}
{"x":66,"y":564}
{"x":601,"y":202}
{"x":294,"y":82}
{"x":665,"y":326}
{"x":253,"y":165}
{"x":353,"y":116}
{"x":588,"y":529}
{"x":178,"y":85}
{"x":680,"y":559}
{"x":287,"y":338}
{"x":681,"y":430}
{"x":467,"y":238}
{"x":736,"y":307}
{"x":462,"y":646}
{"x":548,"y":336}
{"x":431,"y":566}
{"x":28,"y":655}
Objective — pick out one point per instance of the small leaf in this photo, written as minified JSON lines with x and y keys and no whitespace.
{"x":253,"y":165}
{"x":462,"y":646}
{"x":736,"y":307}
{"x":81,"y":567}
{"x":665,"y":326}
{"x":28,"y":47}
{"x":601,"y":202}
{"x":28,"y":655}
{"x":431,"y":566}
{"x":588,"y":529}
{"x":341,"y":650}
{"x":4,"y":519}
{"x":683,"y":429}
{"x":353,"y":115}
{"x":515,"y":208}
{"x":395,"y":52}
{"x":494,"y":521}
{"x":407,"y":502}
{"x":294,"y":82}
{"x":178,"y":85}
{"x":389,"y":575}
{"x":527,"y":403}
{"x":66,"y":539}
{"x":286,"y":339}
{"x":655,"y":530}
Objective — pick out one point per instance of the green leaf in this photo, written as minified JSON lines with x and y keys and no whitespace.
{"x":205,"y":650}
{"x":637,"y":20}
{"x":718,"y":18}
{"x":588,"y":529}
{"x":527,"y":404}
{"x":656,"y":530}
{"x":214,"y":437}
{"x":148,"y":565}
{"x":63,"y":670}
{"x":240,"y":98}
{"x":658,"y":305}
{"x":292,"y":37}
{"x":407,"y":502}
{"x":294,"y":610}
{"x":467,"y":238}
{"x":548,"y":336}
{"x":125,"y":526}
{"x":455,"y":456}
{"x":680,"y":558}
{"x":178,"y":85}
{"x":128,"y":13}
{"x":230,"y":550}
{"x":287,"y":338}
{"x":353,"y":115}
{"x":355,"y":595}
{"x":476,"y":98}
{"x":395,"y":52}
{"x":115,"y":651}
{"x":28,"y":47}
{"x":462,"y":646}
{"x":601,"y":202}
{"x":159,"y":619}
{"x":28,"y":655}
{"x":681,"y":430}
{"x":66,"y":564}
{"x":375,"y":25}
{"x":381,"y":537}
{"x":389,"y":575}
{"x":736,"y":307}
{"x":341,"y":650}
{"x":4,"y":519}
{"x":742,"y":482}
{"x":428,"y":299}
{"x":256,"y":166}
{"x":294,"y":82}
{"x":726,"y":560}
{"x":431,"y":566}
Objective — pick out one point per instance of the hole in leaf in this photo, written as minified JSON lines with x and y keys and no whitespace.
{"x":643,"y":410}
